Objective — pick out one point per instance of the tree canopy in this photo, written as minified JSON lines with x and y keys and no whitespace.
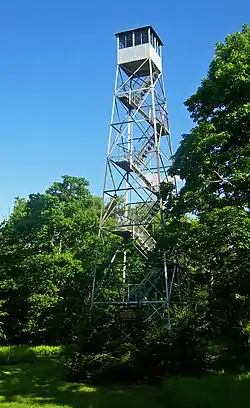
{"x":214,"y":158}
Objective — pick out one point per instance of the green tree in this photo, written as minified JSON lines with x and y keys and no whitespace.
{"x":214,"y":158}
{"x":47,"y":258}
{"x":213,"y":161}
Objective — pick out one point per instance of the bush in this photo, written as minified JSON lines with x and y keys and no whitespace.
{"x":16,"y":355}
{"x":127,"y":366}
{"x":149,"y":354}
{"x":95,"y":368}
{"x":27,"y":354}
{"x":47,"y":351}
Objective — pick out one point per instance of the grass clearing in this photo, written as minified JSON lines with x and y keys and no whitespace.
{"x":27,"y":354}
{"x":42,"y":383}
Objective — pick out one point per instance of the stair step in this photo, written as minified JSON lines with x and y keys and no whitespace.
{"x":129,"y":167}
{"x":144,"y":238}
{"x":133,"y":104}
{"x":143,"y":178}
{"x":147,"y":148}
{"x":152,"y":211}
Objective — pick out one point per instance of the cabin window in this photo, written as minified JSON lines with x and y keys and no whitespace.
{"x":122,"y":41}
{"x":152,"y":39}
{"x":157,"y":47}
{"x":137,"y":38}
{"x":126,"y":40}
{"x":129,"y":37}
{"x":144,"y":36}
{"x":141,"y":36}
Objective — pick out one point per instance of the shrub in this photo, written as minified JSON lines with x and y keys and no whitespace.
{"x":47,"y":351}
{"x":27,"y":354}
{"x":94,"y":368}
{"x":16,"y":355}
{"x":128,"y":367}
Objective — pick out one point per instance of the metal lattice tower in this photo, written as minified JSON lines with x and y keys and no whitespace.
{"x":139,"y":156}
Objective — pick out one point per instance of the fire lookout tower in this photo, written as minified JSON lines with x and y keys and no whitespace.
{"x":138,"y":158}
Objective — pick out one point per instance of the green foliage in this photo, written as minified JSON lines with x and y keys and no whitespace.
{"x":123,"y":366}
{"x":214,"y":158}
{"x":98,"y":368}
{"x":47,"y":253}
{"x":48,"y":351}
{"x":228,"y":80}
{"x":149,"y":353}
{"x":27,"y":354}
{"x":16,"y":355}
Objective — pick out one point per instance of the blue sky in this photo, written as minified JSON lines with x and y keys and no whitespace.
{"x":57,"y":72}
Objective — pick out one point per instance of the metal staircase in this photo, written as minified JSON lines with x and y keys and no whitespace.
{"x":143,"y":239}
{"x":138,"y":231}
{"x":134,"y":100}
{"x":146,"y":149}
{"x":150,"y":212}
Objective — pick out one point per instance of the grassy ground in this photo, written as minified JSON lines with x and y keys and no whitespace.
{"x":41,"y":384}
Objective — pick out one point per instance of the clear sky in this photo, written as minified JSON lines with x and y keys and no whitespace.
{"x":57,"y":72}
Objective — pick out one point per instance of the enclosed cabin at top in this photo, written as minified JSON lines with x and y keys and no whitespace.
{"x":135,"y":48}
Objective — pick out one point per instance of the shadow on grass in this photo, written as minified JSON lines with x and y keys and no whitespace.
{"x":42,"y":383}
